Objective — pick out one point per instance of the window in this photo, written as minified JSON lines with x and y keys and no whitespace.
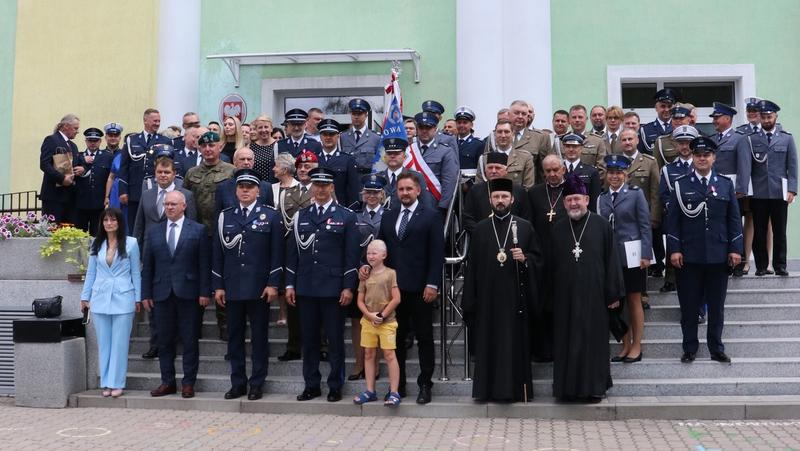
{"x":335,"y":106}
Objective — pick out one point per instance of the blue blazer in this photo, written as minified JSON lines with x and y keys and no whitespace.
{"x":114,"y":289}
{"x":187,"y":274}
{"x":419,"y":256}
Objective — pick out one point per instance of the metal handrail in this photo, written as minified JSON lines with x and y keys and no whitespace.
{"x":20,"y":203}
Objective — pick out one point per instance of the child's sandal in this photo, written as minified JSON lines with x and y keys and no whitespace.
{"x":365,"y":397}
{"x":392,"y":399}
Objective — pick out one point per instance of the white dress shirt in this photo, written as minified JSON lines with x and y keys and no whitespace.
{"x":178,"y":229}
{"x":403,"y":208}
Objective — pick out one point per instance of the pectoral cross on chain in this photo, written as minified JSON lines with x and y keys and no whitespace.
{"x":550,"y":215}
{"x":577,"y":251}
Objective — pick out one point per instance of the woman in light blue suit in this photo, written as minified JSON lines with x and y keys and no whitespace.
{"x":112,"y":292}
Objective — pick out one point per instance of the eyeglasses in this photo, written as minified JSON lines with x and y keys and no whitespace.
{"x":191,"y":124}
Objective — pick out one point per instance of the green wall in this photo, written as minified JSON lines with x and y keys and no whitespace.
{"x":8,"y":31}
{"x":271,"y":26}
{"x":620,"y":32}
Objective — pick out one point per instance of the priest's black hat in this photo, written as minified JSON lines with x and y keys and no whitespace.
{"x":574,"y":185}
{"x":501,"y":184}
{"x":497,"y":158}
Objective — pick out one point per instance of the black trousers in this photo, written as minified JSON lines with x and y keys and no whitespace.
{"x":658,"y":248}
{"x":89,"y":220}
{"x":133,"y":208}
{"x":416,"y":313}
{"x":764,"y":211}
{"x":698,"y":284}
{"x":325,"y":312}
{"x":295,"y":340}
{"x":176,"y":317}
{"x":62,"y":211}
{"x":239,"y":312}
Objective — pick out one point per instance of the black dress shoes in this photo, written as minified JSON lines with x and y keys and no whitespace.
{"x":255,"y":393}
{"x":151,"y":353}
{"x":761,"y":272}
{"x":288,"y":355}
{"x":334,"y":395}
{"x":720,"y":357}
{"x":235,"y":392}
{"x":323,"y":356}
{"x":654,"y":272}
{"x":781,"y":272}
{"x":424,"y":396}
{"x":688,"y":357}
{"x":668,"y":286}
{"x":357,"y":376}
{"x":738,"y":270}
{"x":309,"y":393}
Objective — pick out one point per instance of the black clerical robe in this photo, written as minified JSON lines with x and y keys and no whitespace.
{"x":584,"y":288}
{"x":478,"y":207}
{"x":497,"y":301}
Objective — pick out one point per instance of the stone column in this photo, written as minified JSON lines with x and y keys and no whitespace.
{"x":178,"y":64}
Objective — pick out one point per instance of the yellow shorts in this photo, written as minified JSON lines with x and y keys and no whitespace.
{"x":386,"y":333}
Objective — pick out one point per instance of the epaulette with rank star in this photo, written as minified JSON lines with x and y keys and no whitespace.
{"x":229,"y":208}
{"x":646,"y":156}
{"x":783,"y":131}
{"x":742,"y":131}
{"x":633,"y":187}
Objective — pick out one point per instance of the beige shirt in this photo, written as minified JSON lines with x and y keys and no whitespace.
{"x":377,"y":291}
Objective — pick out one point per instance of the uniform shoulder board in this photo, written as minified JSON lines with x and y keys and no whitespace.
{"x":270,"y":207}
{"x":784,"y":131}
{"x":741,"y":131}
{"x":229,"y":208}
{"x":539,"y":131}
{"x":633,"y":187}
{"x":443,"y":143}
{"x":647,"y":157}
{"x":683,"y":176}
{"x":723,"y":176}
{"x":344,"y":208}
{"x":547,"y":130}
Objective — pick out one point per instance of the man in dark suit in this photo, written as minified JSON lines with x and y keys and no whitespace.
{"x":247,"y":267}
{"x":414,"y":236}
{"x":58,"y":190}
{"x":176,"y":277}
{"x":138,"y":162}
{"x":151,"y":212}
{"x":225,"y":196}
{"x":190,"y":155}
{"x":91,"y":186}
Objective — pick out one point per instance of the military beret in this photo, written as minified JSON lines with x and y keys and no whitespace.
{"x":209,"y":138}
{"x":93,"y":134}
{"x":766,"y":106}
{"x":432,"y":106}
{"x":720,"y":109}
{"x":572,"y":139}
{"x":328,"y":126}
{"x":574,"y":185}
{"x":358,"y":104}
{"x":679,"y":112}
{"x":321,"y":175}
{"x":113,"y":127}
{"x":296,"y":115}
{"x":684,"y":132}
{"x":620,"y":162}
{"x":373,"y":182}
{"x":164,"y":150}
{"x":497,"y":158}
{"x":306,"y":156}
{"x":464,"y":112}
{"x":426,"y":118}
{"x":702,"y":144}
{"x":246,"y":175}
{"x":666,"y":95}
{"x":501,"y":184}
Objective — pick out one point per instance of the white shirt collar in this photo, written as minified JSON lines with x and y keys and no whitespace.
{"x":395,"y":172}
{"x":680,"y":158}
{"x":612,"y":190}
{"x":63,"y":136}
{"x":179,"y":222}
{"x":699,"y":177}
{"x":505,"y":151}
{"x":248,"y":207}
{"x":376,"y":209}
{"x":726,"y":131}
{"x":324,"y":207}
{"x":634,"y":156}
{"x":168,"y":189}
{"x":411,"y":207}
{"x":361,"y":130}
{"x":330,"y":153}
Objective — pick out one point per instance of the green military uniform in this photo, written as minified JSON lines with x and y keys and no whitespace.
{"x":665,"y":150}
{"x":202,"y":182}
{"x":643,"y":173}
{"x":594,"y":150}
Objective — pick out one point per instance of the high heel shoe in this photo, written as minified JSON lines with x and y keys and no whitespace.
{"x":357,"y":376}
{"x":106,"y":392}
{"x":619,"y":358}
{"x":632,"y":360}
{"x":116,"y":393}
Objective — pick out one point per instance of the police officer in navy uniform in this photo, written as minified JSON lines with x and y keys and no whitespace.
{"x":359,"y":141}
{"x":772,"y":172}
{"x":648,"y":133}
{"x":321,"y":276}
{"x":470,"y":148}
{"x":346,"y":179}
{"x":704,"y":241}
{"x":91,"y":185}
{"x":437,"y":109}
{"x":571,"y":145}
{"x":138,"y":162}
{"x":683,"y":136}
{"x":296,"y":140}
{"x":246,"y":271}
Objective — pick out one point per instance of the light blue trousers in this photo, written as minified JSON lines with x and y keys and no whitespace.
{"x":113,"y":339}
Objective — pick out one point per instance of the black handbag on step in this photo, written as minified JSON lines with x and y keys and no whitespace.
{"x":47,"y":307}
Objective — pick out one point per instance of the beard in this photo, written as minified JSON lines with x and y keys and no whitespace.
{"x":500,"y":210}
{"x":576,"y":214}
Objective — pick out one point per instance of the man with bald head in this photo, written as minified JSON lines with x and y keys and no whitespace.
{"x":225,"y":197}
{"x":176,"y":278}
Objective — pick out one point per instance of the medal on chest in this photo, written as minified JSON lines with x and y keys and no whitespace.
{"x":501,"y":251}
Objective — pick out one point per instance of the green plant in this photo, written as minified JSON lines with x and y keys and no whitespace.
{"x":72,"y":242}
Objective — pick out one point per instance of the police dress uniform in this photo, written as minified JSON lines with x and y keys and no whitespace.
{"x":650,"y":132}
{"x":772,"y":173}
{"x":322,"y":260}
{"x":442,"y":160}
{"x":91,"y":186}
{"x":138,"y":162}
{"x":586,"y":172}
{"x":703,"y":224}
{"x":346,"y":178}
{"x":292,"y":147}
{"x":247,"y":257}
{"x":470,"y":149}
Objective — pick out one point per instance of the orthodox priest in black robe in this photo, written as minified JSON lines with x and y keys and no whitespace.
{"x":477,"y":205}
{"x":546,"y":207}
{"x":499,"y":293}
{"x":588,"y":282}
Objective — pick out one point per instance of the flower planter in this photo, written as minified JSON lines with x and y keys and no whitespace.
{"x":20,"y":260}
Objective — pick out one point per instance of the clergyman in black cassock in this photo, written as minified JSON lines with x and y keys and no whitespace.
{"x":588,"y":281}
{"x":500,"y":289}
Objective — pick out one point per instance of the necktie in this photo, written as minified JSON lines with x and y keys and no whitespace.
{"x":769,"y":137}
{"x":171,"y":238}
{"x":570,"y":168}
{"x":244,"y":212}
{"x":613,"y":137}
{"x":403,"y":223}
{"x":296,"y":146}
{"x":372,"y":214}
{"x":424,"y":147}
{"x":685,"y":165}
{"x":460,"y":142}
{"x":358,"y":135}
{"x":160,"y":202}
{"x":719,"y":136}
{"x":303,"y":190}
{"x":704,"y":182}
{"x":394,"y":180}
{"x":320,"y":210}
{"x":147,"y":138}
{"x":614,"y":197}
{"x":190,"y":156}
